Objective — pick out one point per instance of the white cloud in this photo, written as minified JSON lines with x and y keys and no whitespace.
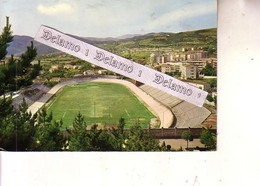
{"x":169,"y":18}
{"x":56,"y":9}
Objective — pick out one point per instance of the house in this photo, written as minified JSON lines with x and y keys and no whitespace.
{"x":212,"y":61}
{"x":102,"y":71}
{"x":77,"y":67}
{"x":68,"y":66}
{"x":55,"y":79}
{"x":189,"y":71}
{"x":89,"y":73}
{"x":200,"y":84}
{"x":53,"y":68}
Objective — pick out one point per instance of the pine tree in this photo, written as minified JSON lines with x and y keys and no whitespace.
{"x":6,"y":107}
{"x":5,"y":38}
{"x":94,"y":139}
{"x":17,"y":127}
{"x":118,"y":135}
{"x":17,"y":73}
{"x":43,"y":117}
{"x":140,"y":140}
{"x":17,"y":130}
{"x":78,"y":134}
{"x":26,"y":70}
{"x":49,"y":137}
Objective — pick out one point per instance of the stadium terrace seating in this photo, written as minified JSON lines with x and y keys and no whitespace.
{"x":186,"y":114}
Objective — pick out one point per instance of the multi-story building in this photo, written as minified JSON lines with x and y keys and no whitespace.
{"x":157,"y":59}
{"x":212,"y":61}
{"x":170,"y":67}
{"x":189,"y":71}
{"x":200,"y":64}
{"x":195,"y":55}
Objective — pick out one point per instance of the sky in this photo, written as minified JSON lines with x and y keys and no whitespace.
{"x":108,"y":18}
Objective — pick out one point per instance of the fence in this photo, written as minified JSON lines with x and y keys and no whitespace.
{"x":175,"y":133}
{"x":169,"y":133}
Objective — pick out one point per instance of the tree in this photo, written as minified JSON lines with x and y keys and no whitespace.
{"x":17,"y":129}
{"x":81,"y":139}
{"x":100,"y":140}
{"x":78,"y":134}
{"x":187,"y":135}
{"x":6,"y":107}
{"x":140,"y":140}
{"x":43,"y":117}
{"x":5,"y":38}
{"x":16,"y":73}
{"x":27,"y":71}
{"x":177,"y":73}
{"x":209,"y":71}
{"x":24,"y":127}
{"x":49,"y":137}
{"x":213,"y":82}
{"x":215,"y":100}
{"x":208,"y":139}
{"x":118,"y":135}
{"x":210,"y":98}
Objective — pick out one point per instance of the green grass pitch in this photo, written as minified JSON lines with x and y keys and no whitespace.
{"x":103,"y":103}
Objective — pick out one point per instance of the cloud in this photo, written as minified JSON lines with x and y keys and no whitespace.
{"x":168,"y":19}
{"x":56,"y":9}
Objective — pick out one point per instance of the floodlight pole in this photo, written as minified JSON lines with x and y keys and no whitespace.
{"x":109,"y":114}
{"x":94,"y":113}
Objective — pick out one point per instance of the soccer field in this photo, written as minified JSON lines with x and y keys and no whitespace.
{"x":103,"y":103}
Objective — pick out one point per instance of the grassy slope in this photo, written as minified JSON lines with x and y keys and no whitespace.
{"x":199,"y":38}
{"x":109,"y":98}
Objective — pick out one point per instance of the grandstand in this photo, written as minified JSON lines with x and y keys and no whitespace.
{"x":186,"y":114}
{"x":31,"y":94}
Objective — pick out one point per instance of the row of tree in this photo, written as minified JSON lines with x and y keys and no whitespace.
{"x":16,"y":73}
{"x":207,"y":138}
{"x":22,"y":131}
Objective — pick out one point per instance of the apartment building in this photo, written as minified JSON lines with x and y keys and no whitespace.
{"x":170,"y":67}
{"x":189,"y":71}
{"x":195,"y":55}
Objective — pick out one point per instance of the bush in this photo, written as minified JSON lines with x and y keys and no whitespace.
{"x":210,"y":98}
{"x":50,"y":83}
{"x":208,"y":139}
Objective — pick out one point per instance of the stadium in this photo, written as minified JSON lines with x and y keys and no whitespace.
{"x":105,"y":100}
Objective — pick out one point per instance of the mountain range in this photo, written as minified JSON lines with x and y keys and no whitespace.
{"x":199,"y":38}
{"x":20,"y":43}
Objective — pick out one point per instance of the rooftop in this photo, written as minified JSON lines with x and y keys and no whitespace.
{"x":192,"y":81}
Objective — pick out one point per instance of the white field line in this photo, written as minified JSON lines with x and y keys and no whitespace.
{"x":127,"y":112}
{"x":64,"y":114}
